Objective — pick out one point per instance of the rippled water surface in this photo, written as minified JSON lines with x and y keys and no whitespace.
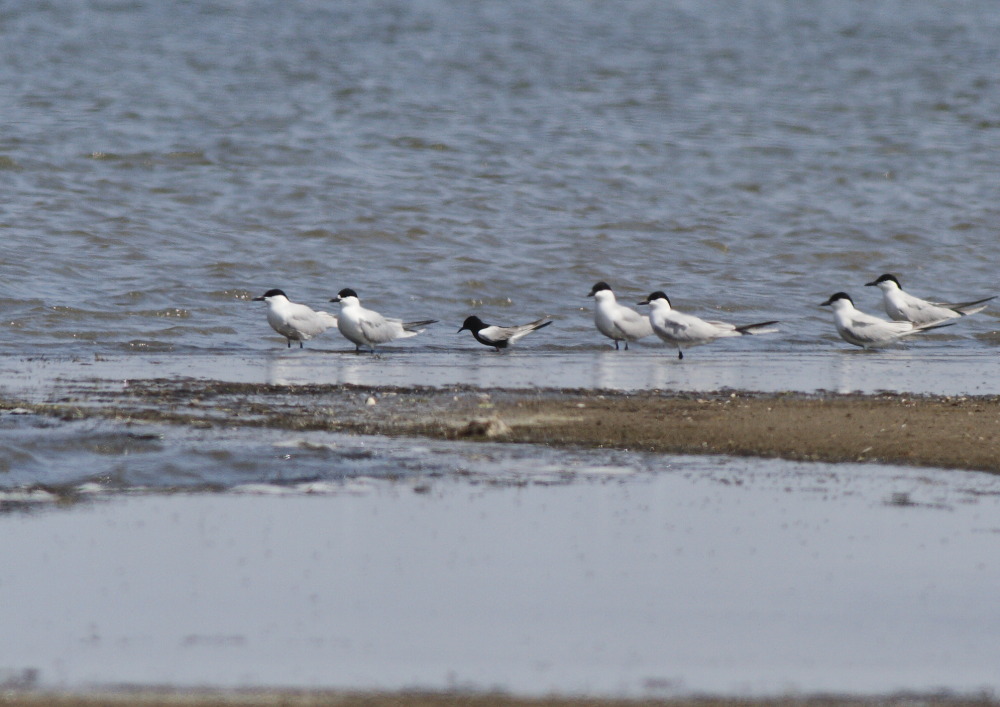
{"x":163,"y":161}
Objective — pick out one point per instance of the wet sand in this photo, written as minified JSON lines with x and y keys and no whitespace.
{"x":961,"y":432}
{"x":929,"y":431}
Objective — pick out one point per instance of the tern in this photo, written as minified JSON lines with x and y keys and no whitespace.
{"x":500,"y":337}
{"x":868,"y":332}
{"x":684,"y":330}
{"x":615,"y":321}
{"x":904,"y":307}
{"x":364,"y":327}
{"x":295,"y":322}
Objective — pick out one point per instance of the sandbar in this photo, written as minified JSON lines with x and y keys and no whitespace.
{"x":953,"y":432}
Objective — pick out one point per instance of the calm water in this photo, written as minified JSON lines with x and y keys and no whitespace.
{"x":600,"y":576}
{"x":163,"y":161}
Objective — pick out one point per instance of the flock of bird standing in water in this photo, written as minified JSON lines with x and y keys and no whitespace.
{"x":367,"y":328}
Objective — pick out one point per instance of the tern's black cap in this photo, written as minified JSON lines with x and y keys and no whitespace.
{"x":659,"y":294}
{"x":884,"y":278}
{"x":837,"y":296}
{"x":270,"y":293}
{"x":346,"y":292}
{"x":473,"y":323}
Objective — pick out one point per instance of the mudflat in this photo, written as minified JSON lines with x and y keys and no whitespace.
{"x":960,"y":432}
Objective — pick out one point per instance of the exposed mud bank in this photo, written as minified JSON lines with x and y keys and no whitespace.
{"x":940,"y":431}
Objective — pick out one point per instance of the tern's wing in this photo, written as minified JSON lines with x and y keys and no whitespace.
{"x":379,"y":330}
{"x":724,"y":329}
{"x":309,"y":322}
{"x":329,"y":320}
{"x":722,"y":326}
{"x":707,"y":330}
{"x":669,"y":328}
{"x":872,"y":330}
{"x":515,"y":333}
{"x":497,"y":333}
{"x":684,"y":328}
{"x":679,"y":329}
{"x":631,"y":324}
{"x":920,"y":311}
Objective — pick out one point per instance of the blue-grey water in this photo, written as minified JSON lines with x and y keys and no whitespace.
{"x":598,"y":576}
{"x":163,"y":162}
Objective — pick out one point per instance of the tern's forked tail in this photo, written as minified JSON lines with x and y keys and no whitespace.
{"x":759,"y":328}
{"x":415,"y":327}
{"x":967,"y":308}
{"x":927,"y":327}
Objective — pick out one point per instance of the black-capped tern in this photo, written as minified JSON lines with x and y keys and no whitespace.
{"x":364,"y":327}
{"x":864,"y":330}
{"x":615,"y":321}
{"x":685,"y":330}
{"x":904,"y":307}
{"x":500,"y":337}
{"x":295,"y":322}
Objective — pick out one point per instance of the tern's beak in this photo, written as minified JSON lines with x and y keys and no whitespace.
{"x":335,"y":299}
{"x":826,"y":304}
{"x":871,"y":284}
{"x":257,"y":299}
{"x":645,"y":301}
{"x":461,"y":330}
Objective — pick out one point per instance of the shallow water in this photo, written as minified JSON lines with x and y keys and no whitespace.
{"x":604,"y":577}
{"x":49,"y":378}
{"x":55,"y":461}
{"x":162,"y":162}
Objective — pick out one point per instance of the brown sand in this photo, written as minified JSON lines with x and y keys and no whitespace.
{"x":942,"y":432}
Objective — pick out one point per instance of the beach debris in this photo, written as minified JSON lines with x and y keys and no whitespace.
{"x":489,"y":427}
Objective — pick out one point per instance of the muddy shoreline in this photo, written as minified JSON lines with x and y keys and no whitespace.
{"x":957,"y":432}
